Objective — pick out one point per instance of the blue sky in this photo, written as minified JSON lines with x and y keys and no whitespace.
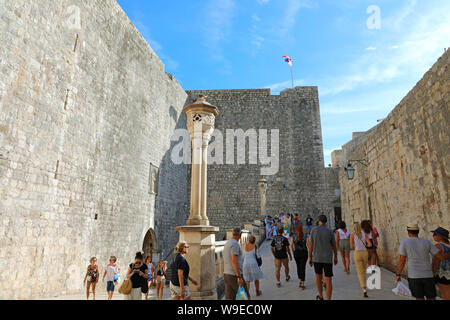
{"x":362,"y":73}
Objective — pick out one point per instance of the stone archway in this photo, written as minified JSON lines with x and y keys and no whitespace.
{"x":149,"y":247}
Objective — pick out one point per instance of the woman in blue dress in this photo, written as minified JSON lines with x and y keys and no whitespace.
{"x":252,"y":272}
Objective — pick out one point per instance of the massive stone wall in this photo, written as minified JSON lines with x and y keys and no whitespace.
{"x":299,"y":186}
{"x":85,"y":108}
{"x":407,"y":177}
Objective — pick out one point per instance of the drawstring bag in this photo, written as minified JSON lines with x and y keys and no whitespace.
{"x":402,"y":290}
{"x":241,"y":294}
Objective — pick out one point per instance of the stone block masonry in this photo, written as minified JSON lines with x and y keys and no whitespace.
{"x":300,"y":184}
{"x":85,"y":109}
{"x":407,"y":178}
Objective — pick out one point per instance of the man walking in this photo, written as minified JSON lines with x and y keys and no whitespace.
{"x":322,"y":248}
{"x":280,"y":250}
{"x":418,"y":253}
{"x":233,"y":266}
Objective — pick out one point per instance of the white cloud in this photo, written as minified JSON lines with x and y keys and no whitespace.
{"x":428,"y":32}
{"x":218,"y":24}
{"x":257,"y":41}
{"x":255,"y":17}
{"x":290,"y":15}
{"x":278,"y":87}
{"x":371,"y":48}
{"x":262,"y":1}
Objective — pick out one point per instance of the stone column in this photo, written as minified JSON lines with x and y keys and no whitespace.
{"x":262,"y":184}
{"x":197,"y":232}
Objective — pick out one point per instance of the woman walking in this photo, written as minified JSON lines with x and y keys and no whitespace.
{"x":252,"y":272}
{"x":91,"y":277}
{"x":300,"y":249}
{"x":138,"y":275}
{"x":269,"y":227}
{"x":367,"y":228}
{"x":160,"y":279}
{"x":358,"y":242}
{"x":151,"y":271}
{"x":343,"y":243}
{"x":441,"y":269}
{"x":112,"y":269}
{"x":179,"y":289}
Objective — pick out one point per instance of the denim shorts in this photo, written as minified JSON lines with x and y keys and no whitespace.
{"x":110,"y":286}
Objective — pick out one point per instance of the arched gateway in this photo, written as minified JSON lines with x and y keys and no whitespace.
{"x":150,"y":246}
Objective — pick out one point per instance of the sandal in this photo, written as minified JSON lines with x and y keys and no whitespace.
{"x":258,"y":293}
{"x":288,"y":278}
{"x":319,"y":298}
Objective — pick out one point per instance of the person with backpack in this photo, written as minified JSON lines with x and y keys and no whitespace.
{"x":251,"y":266}
{"x":300,"y":250}
{"x":280,"y":250}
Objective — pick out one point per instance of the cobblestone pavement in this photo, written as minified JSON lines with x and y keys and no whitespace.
{"x":345,"y":287}
{"x":101,"y":295}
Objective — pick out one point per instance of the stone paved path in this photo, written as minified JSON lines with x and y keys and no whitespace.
{"x":345,"y":287}
{"x":101,"y":295}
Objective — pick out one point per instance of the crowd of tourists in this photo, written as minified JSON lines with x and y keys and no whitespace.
{"x":291,"y":238}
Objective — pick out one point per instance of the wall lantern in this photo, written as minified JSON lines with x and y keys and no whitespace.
{"x":351,"y":171}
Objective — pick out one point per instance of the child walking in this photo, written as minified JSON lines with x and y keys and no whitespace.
{"x":110,"y":272}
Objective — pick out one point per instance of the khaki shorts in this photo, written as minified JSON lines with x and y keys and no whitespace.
{"x":279,"y":262}
{"x":232,"y":286}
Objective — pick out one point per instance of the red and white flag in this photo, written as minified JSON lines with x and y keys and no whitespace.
{"x":288,"y":60}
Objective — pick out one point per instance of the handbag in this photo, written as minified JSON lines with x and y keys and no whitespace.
{"x":241,"y":294}
{"x":126,"y":287}
{"x":258,"y":259}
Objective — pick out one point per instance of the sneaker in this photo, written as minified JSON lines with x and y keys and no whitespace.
{"x":278,"y":284}
{"x":258,"y":293}
{"x":365,"y":295}
{"x":319,"y":298}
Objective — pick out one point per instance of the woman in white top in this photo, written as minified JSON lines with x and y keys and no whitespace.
{"x":343,"y":243}
{"x":359,"y":241}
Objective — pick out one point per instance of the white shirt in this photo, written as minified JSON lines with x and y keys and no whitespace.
{"x":360,"y":244}
{"x":343,"y":235}
{"x":111,"y":271}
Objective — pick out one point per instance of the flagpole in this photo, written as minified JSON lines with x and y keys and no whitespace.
{"x":292,"y":78}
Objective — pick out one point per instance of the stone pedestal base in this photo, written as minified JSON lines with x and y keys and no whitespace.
{"x":201,"y":258}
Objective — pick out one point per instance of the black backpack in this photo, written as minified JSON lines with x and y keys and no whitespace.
{"x":300,"y":247}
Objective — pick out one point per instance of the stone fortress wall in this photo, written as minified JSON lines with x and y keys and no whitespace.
{"x":86,"y":112}
{"x":302,"y":185}
{"x":407,"y":178}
